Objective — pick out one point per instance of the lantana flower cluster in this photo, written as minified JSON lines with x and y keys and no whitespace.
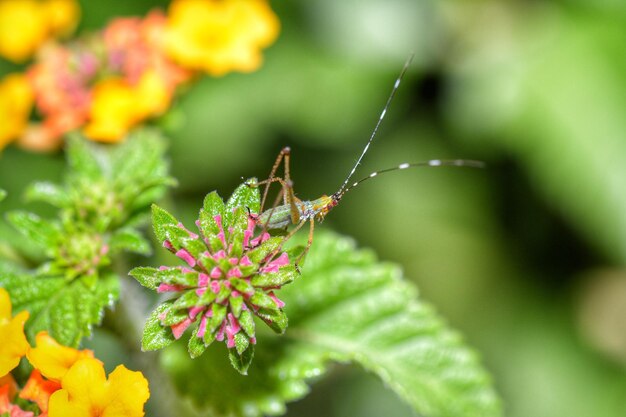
{"x":25,"y":25}
{"x":230,"y":276}
{"x":64,"y":381}
{"x":108,"y":82}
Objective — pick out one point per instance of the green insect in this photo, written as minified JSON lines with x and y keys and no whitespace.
{"x":297,"y":212}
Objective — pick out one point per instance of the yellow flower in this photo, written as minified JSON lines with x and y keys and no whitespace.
{"x":218,"y":36}
{"x":16,"y":102}
{"x":87,"y":393}
{"x":14,"y":344}
{"x":62,"y":16}
{"x":26,"y":24}
{"x":52,"y":359}
{"x":117,"y":106}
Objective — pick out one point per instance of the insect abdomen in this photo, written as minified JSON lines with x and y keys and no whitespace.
{"x":280,"y":217}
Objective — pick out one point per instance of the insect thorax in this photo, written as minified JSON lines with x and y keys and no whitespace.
{"x":321,"y":206}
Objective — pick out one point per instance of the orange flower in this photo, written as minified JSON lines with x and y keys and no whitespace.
{"x":86,"y":392}
{"x":39,"y":390}
{"x":9,"y":382}
{"x":218,"y":36}
{"x":16,"y":102}
{"x":14,"y":344}
{"x":26,"y":24}
{"x":8,"y":408}
{"x":52,"y":359}
{"x":135,"y":46}
{"x":118,"y":106}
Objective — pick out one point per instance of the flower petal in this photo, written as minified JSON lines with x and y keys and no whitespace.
{"x":83,"y":391}
{"x":219,"y":36}
{"x":87,"y":393}
{"x":16,"y":102}
{"x":128,"y":391}
{"x":14,"y":344}
{"x":53,"y":359}
{"x":39,"y":390}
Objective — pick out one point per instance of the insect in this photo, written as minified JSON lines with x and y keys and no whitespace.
{"x":298,"y":212}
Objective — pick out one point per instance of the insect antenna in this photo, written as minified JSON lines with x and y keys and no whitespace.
{"x":431,"y":163}
{"x":342,"y":189}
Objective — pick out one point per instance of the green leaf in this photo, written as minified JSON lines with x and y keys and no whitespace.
{"x":246,"y":196}
{"x":48,"y":192}
{"x":67,"y":310}
{"x":276,"y":319}
{"x":173,"y":316}
{"x":146,"y":276}
{"x":140,"y":157}
{"x":178,"y":276}
{"x":260,"y":299}
{"x":275,"y":279}
{"x":129,"y":240}
{"x":196,"y":346}
{"x":180,"y":239}
{"x":213,"y":206}
{"x":155,"y":336}
{"x":139,"y":169}
{"x":246,"y":320}
{"x":160,"y":218}
{"x":38,"y":230}
{"x":347,"y":307}
{"x":236,"y":305}
{"x":188,"y":299}
{"x":237,"y":231}
{"x":82,"y":158}
{"x":242,"y":354}
{"x":260,"y":252}
{"x":3,"y":194}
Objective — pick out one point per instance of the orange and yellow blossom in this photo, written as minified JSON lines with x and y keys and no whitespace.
{"x":26,"y":24}
{"x":14,"y":344}
{"x":74,"y":385}
{"x":52,"y":359}
{"x":16,"y":103}
{"x":135,"y":46}
{"x":60,"y":79}
{"x":219,"y":36}
{"x":117,"y":106}
{"x":86,"y":392}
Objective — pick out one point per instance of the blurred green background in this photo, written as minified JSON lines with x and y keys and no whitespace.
{"x":525,"y":257}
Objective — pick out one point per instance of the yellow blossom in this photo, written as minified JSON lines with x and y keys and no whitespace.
{"x":16,"y":102}
{"x":52,"y":359}
{"x":62,"y":16}
{"x":86,"y":392}
{"x":26,"y":24}
{"x":117,"y":106}
{"x":218,"y":36}
{"x":14,"y":344}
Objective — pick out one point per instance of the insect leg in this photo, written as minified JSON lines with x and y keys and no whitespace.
{"x":285,"y":239}
{"x":284,"y":154}
{"x":286,"y":183}
{"x":309,"y":241}
{"x":280,"y":194}
{"x":288,"y":195}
